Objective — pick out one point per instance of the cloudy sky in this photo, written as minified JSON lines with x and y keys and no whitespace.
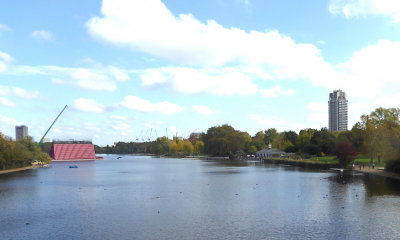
{"x":127,"y":68}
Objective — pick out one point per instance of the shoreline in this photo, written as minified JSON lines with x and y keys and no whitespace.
{"x":379,"y":172}
{"x":321,"y":166}
{"x":17,"y":169}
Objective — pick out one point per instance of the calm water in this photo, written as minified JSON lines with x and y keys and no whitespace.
{"x":155,"y":198}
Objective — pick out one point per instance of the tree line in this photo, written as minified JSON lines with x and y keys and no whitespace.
{"x":16,"y":154}
{"x":376,"y":135}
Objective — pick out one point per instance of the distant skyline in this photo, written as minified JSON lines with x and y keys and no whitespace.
{"x":126,"y":66}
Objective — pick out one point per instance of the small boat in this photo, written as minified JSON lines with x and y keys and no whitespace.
{"x":73,"y":166}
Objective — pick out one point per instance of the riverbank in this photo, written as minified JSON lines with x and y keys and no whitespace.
{"x":17,"y":169}
{"x":301,"y":163}
{"x":379,"y":172}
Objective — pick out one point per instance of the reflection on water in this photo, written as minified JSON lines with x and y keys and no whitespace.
{"x":154,"y":198}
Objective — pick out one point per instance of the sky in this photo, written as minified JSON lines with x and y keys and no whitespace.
{"x":139,"y":69}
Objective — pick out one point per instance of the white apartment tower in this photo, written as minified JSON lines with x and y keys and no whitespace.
{"x":337,"y":111}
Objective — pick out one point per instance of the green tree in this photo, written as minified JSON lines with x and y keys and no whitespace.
{"x":270,"y":135}
{"x":325,"y":140}
{"x":224,"y":140}
{"x":172,"y":147}
{"x":281,"y":142}
{"x":198,"y":147}
{"x":187,"y":147}
{"x":291,"y":136}
{"x":304,"y":137}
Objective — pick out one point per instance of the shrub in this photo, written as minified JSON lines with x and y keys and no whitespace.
{"x":393,"y":166}
{"x":346,"y":153}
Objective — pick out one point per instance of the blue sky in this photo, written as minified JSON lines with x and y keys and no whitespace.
{"x":128,"y":67}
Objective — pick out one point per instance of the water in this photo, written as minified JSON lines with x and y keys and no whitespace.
{"x":155,"y":198}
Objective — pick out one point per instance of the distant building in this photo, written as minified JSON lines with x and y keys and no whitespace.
{"x":196,"y":135}
{"x":46,"y":140}
{"x":337,"y":111}
{"x":270,"y":153}
{"x":21,"y":132}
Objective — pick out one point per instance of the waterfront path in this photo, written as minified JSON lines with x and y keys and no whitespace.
{"x":17,"y":169}
{"x":378,"y":171}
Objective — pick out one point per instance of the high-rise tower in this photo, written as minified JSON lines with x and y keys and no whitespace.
{"x":21,"y":132}
{"x":337,"y":111}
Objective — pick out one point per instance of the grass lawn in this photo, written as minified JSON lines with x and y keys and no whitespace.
{"x":359,"y":159}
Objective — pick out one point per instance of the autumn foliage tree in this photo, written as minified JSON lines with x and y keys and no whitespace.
{"x":345,"y":153}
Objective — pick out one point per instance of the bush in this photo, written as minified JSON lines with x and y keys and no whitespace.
{"x":393,"y":166}
{"x":346,"y":153}
{"x":311,"y":149}
{"x":291,"y":149}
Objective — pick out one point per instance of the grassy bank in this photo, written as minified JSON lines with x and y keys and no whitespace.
{"x":332,"y":160}
{"x":305,"y":163}
{"x":17,"y":169}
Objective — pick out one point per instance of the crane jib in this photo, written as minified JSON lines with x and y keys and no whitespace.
{"x":41,"y":140}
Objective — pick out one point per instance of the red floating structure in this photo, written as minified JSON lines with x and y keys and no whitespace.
{"x":73,"y":151}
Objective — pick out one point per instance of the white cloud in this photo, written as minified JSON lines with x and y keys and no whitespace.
{"x":5,"y":60}
{"x":89,"y":105}
{"x":118,"y":74}
{"x":22,"y":93}
{"x":42,"y":35}
{"x":274,"y":122}
{"x":118,"y":117}
{"x":223,"y":61}
{"x":150,"y":27}
{"x":5,"y":28}
{"x":225,"y":81}
{"x":203,"y":110}
{"x":267,"y":122}
{"x":371,"y":70}
{"x":6,"y":102}
{"x":7,"y":125}
{"x":81,"y":77}
{"x":143,"y":105}
{"x":353,"y":8}
{"x":98,"y":78}
{"x":318,"y":113}
{"x":91,"y":127}
{"x":18,"y":92}
{"x":276,"y":91}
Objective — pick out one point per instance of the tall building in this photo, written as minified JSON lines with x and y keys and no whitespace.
{"x":21,"y":132}
{"x":337,"y":111}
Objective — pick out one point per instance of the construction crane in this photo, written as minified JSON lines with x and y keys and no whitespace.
{"x":41,"y":140}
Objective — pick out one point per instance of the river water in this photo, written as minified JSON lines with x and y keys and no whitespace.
{"x":138,"y":197}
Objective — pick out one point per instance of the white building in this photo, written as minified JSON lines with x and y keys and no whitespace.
{"x":337,"y":111}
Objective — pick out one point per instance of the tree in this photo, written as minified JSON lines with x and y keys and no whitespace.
{"x":179,"y":146}
{"x":172,"y":147}
{"x":311,"y":149}
{"x":270,"y":135}
{"x":198,"y":147}
{"x":305,"y":136}
{"x":382,"y":115}
{"x":225,"y":140}
{"x":291,"y":136}
{"x":280,"y":142}
{"x":345,"y":154}
{"x":187,"y":148}
{"x":325,"y":140}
